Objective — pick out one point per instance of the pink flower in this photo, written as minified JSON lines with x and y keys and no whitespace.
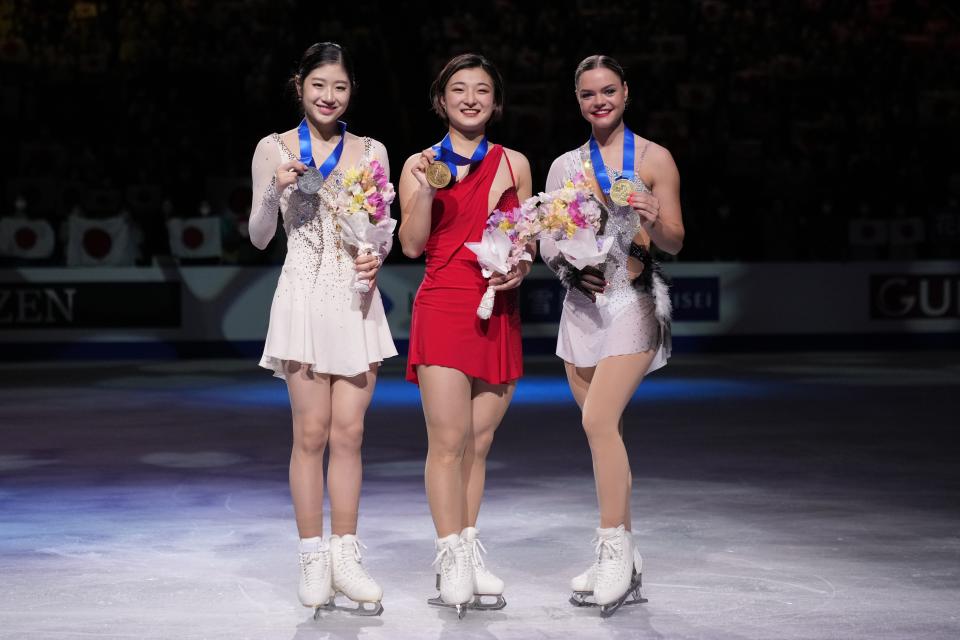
{"x":379,"y":175}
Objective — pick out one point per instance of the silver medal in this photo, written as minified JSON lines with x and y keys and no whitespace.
{"x":310,"y":181}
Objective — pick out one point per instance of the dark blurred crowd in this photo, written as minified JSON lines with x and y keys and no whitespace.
{"x":803,"y":130}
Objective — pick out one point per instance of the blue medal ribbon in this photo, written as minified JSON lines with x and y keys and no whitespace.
{"x":444,"y":152}
{"x":600,"y":170}
{"x":306,"y":148}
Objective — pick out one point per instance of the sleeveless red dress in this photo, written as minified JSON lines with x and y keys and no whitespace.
{"x":444,"y":328}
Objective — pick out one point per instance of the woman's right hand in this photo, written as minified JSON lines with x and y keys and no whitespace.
{"x":589,"y":281}
{"x":288,"y":172}
{"x":419,"y":168}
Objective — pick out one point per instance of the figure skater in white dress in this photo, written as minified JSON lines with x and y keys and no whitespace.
{"x":607,"y":349}
{"x":324,"y":339}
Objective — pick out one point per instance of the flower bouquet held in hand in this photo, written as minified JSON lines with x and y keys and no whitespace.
{"x":504,"y":245}
{"x":363,"y":211}
{"x":570,"y":219}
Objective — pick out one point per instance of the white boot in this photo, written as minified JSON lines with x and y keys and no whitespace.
{"x":351,"y":578}
{"x":585,"y":582}
{"x":454,"y":572}
{"x":315,"y":587}
{"x":615,"y":568}
{"x":484,"y":582}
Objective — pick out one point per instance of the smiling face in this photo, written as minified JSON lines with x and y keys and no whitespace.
{"x":602,"y":96}
{"x":325,"y":93}
{"x":468,"y":99}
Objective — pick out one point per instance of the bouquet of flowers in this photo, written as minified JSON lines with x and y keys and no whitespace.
{"x":363,"y":209}
{"x":564,"y":210}
{"x":570,"y":218}
{"x":504,"y":245}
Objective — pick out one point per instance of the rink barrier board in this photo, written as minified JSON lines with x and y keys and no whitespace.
{"x":210,"y":311}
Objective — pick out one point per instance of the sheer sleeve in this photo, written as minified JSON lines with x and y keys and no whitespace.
{"x":266,"y":201}
{"x":557,"y":175}
{"x":378,"y":152}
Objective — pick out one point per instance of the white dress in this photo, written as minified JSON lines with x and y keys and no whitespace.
{"x":315,"y":317}
{"x":633,"y":319}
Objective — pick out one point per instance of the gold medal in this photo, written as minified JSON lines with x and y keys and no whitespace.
{"x":620,"y":192}
{"x":438,"y":175}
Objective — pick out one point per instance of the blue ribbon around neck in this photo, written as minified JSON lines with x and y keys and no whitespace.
{"x":600,"y":170}
{"x":444,"y":152}
{"x":306,"y":148}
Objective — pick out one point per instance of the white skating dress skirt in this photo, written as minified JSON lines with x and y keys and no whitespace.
{"x":315,"y":317}
{"x":633,"y":318}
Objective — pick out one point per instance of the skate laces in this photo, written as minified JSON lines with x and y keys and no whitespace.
{"x":309,"y":558}
{"x":443,"y":553}
{"x":476,"y":547}
{"x":446,"y":560}
{"x":612,"y":547}
{"x":357,"y":543}
{"x":355,"y":568}
{"x":309,"y":565}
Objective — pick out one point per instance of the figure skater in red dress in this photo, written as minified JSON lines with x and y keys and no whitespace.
{"x":467,"y":368}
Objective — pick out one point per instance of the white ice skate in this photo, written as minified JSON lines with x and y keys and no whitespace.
{"x":454,"y":574}
{"x":351,"y":579}
{"x":584,"y":585}
{"x":315,"y":589}
{"x":617,"y":575}
{"x":485,"y":584}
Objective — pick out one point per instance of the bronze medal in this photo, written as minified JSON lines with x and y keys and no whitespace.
{"x":438,"y":175}
{"x":620,"y":192}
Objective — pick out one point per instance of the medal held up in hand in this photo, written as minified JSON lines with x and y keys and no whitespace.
{"x":440,"y":172}
{"x":438,"y":175}
{"x":620,"y":192}
{"x":310,"y":181}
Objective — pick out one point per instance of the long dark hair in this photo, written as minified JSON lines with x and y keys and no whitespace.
{"x":466,"y":61}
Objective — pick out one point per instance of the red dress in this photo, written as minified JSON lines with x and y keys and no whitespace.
{"x":445,"y":329}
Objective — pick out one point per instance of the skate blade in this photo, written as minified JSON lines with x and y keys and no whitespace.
{"x":461,"y":608}
{"x":478,"y":603}
{"x":632,"y":596}
{"x":582,"y":598}
{"x":327,"y":606}
{"x":579,"y":599}
{"x":367,"y":609}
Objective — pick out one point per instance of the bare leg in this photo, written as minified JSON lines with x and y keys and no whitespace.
{"x":351,"y":397}
{"x":310,"y":405}
{"x":579,"y":379}
{"x":446,"y":395}
{"x":489,"y":404}
{"x":608,"y":388}
{"x":628,"y":522}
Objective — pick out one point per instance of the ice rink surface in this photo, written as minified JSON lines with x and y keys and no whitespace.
{"x":778,"y":496}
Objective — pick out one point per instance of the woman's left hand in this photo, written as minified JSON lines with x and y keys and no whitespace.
{"x":647,"y":207}
{"x":513,"y":279}
{"x":367,"y":266}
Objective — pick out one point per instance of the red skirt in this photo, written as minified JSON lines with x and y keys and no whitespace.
{"x":446,"y":331}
